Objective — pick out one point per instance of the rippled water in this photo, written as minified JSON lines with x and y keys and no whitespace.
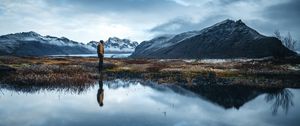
{"x":139,"y":103}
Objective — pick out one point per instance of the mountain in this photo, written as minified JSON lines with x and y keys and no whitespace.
{"x":33,"y":44}
{"x":227,"y":39}
{"x":116,"y":45}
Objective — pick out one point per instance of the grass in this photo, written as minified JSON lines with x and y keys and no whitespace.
{"x":81,"y":71}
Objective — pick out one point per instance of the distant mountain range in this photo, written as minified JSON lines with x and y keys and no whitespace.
{"x":116,"y":45}
{"x":33,"y":44}
{"x":227,"y":39}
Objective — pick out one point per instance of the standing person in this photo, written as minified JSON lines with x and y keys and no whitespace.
{"x":100,"y":51}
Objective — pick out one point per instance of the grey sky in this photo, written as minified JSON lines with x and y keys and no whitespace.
{"x":86,"y":20}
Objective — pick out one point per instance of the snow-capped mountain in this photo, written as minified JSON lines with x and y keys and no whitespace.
{"x":226,"y":39}
{"x":34,"y":44}
{"x":116,"y":45}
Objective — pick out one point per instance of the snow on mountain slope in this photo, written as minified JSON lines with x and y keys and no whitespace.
{"x":31,"y":43}
{"x":116,"y":45}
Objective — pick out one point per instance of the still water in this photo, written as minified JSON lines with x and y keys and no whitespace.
{"x":106,"y":55}
{"x":143,"y":103}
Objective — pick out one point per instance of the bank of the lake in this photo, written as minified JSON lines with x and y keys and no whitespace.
{"x":265,"y":73}
{"x":106,"y":55}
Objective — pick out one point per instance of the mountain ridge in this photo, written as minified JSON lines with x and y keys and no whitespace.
{"x":33,"y":44}
{"x":226,"y":39}
{"x":115,"y":44}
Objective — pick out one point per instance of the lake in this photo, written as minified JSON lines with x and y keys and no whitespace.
{"x":146,"y":103}
{"x":106,"y":55}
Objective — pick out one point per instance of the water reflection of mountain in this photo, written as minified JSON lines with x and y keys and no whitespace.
{"x":237,"y":96}
{"x":224,"y":96}
{"x":33,"y":88}
{"x":118,"y":83}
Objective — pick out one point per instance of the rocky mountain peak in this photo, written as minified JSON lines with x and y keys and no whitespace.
{"x":30,"y":33}
{"x":116,"y":40}
{"x":229,"y":22}
{"x":64,"y":39}
{"x":240,"y":22}
{"x":21,"y":35}
{"x":115,"y":44}
{"x":230,"y":28}
{"x":226,"y":39}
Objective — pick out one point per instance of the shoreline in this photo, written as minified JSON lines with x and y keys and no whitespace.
{"x":266,"y":73}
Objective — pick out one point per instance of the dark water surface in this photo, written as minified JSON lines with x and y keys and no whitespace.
{"x":138,"y":103}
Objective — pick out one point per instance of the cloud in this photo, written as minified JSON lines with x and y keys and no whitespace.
{"x":85,"y":20}
{"x":174,"y":26}
{"x":183,"y":24}
{"x":63,"y":20}
{"x":262,"y":15}
{"x":109,"y":5}
{"x":285,"y":15}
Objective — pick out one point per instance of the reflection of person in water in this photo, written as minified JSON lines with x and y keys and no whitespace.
{"x":100,"y":94}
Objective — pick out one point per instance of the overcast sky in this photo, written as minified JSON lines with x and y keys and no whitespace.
{"x":86,"y":20}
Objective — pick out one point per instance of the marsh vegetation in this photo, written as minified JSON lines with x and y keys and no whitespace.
{"x":80,"y":71}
